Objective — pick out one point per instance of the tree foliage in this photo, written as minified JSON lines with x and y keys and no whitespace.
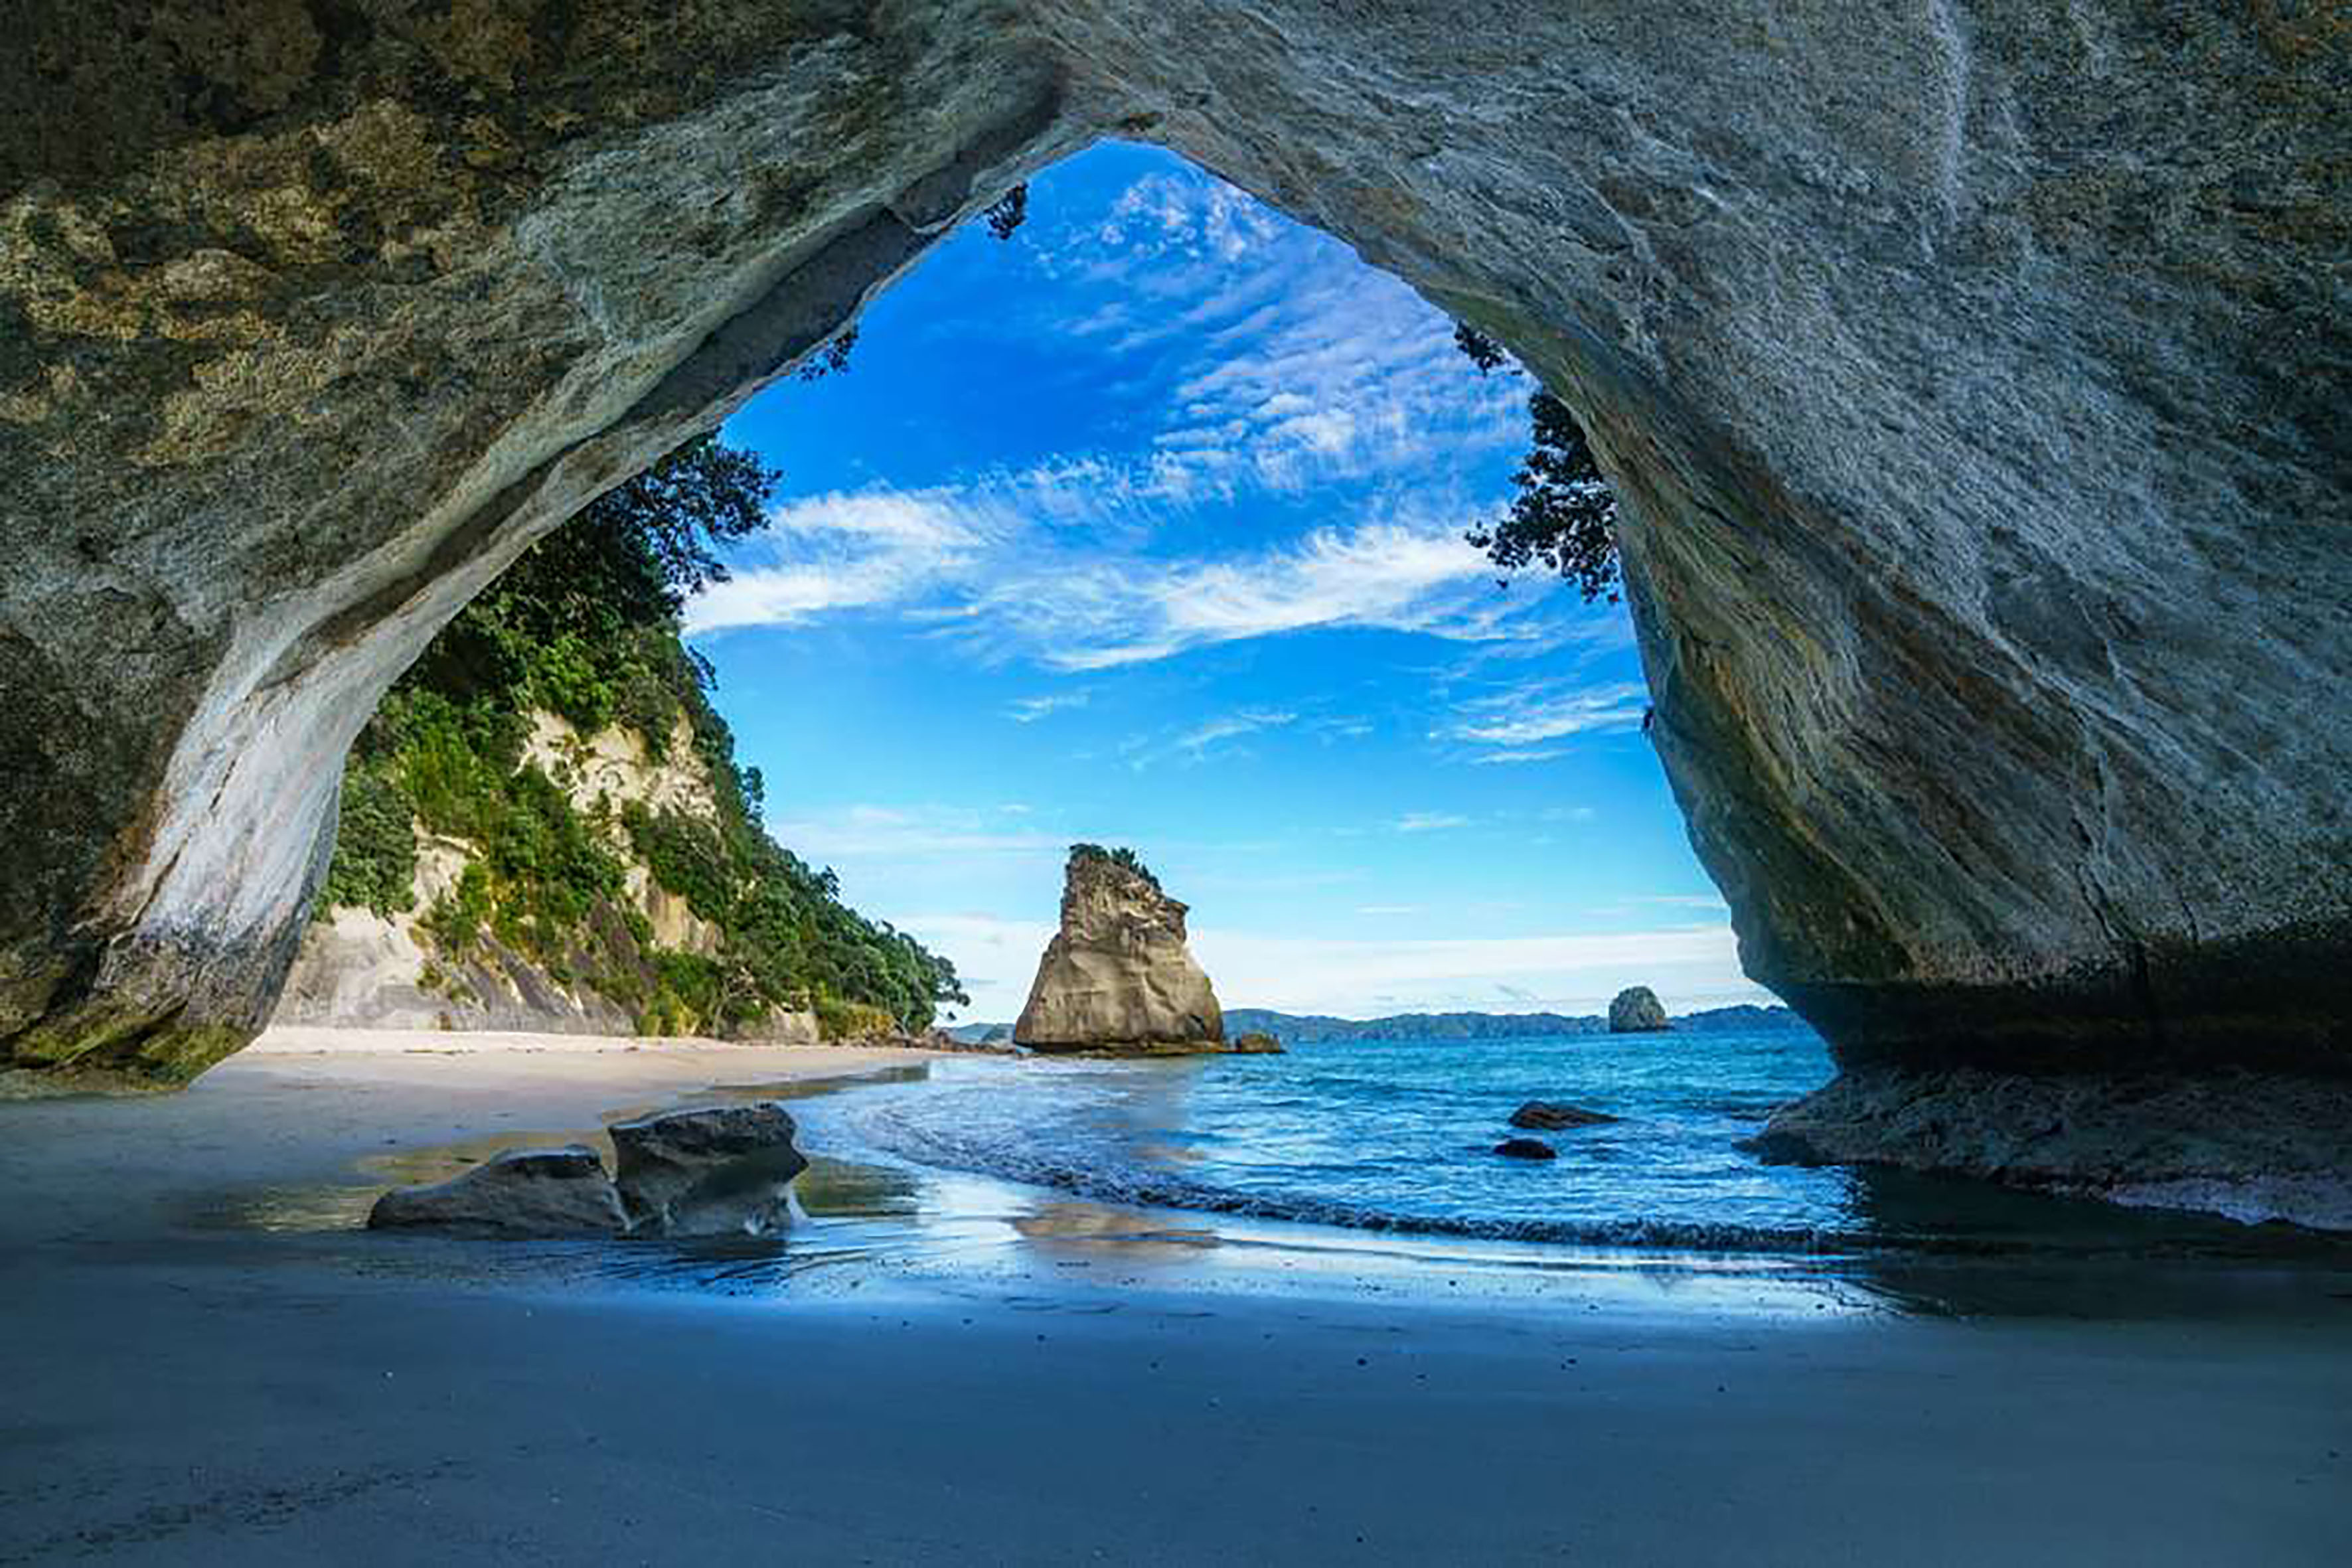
{"x":585,"y":624}
{"x":1121,"y":856}
{"x":833,"y":359}
{"x":1006,"y":213}
{"x":1564,"y":514}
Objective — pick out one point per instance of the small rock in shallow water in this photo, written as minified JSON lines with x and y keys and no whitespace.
{"x":1552,"y":1116}
{"x":523,"y":1192}
{"x":719,"y":1170}
{"x":1526,"y":1149}
{"x":1256,"y":1044}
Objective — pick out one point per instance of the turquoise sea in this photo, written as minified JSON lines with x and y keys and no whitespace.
{"x":1398,"y":1136}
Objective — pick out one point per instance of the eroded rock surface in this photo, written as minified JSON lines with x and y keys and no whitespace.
{"x":712,"y":1170}
{"x":1973,"y":375}
{"x":524,"y":1192}
{"x":1117,"y":974}
{"x":2253,"y":1146}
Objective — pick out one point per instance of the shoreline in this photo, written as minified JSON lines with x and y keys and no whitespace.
{"x":911,"y":1383}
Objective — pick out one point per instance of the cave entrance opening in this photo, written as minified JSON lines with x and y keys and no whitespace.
{"x":1133,"y":515}
{"x":1144,"y":525}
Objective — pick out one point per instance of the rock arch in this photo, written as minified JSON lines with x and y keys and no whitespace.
{"x":1974,"y":371}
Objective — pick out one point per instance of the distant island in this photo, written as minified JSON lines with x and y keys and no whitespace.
{"x":1307,"y":1027}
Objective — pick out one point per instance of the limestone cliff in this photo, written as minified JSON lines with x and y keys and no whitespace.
{"x":392,"y":968}
{"x":1117,"y":975}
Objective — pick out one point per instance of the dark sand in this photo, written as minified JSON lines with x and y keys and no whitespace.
{"x":177,"y":1386}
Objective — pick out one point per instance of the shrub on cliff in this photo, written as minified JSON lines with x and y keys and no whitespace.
{"x":585,"y":624}
{"x":1122,"y":857}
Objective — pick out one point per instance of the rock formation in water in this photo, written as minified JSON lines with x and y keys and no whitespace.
{"x":1972,"y":375}
{"x":1117,"y":974}
{"x":1552,"y":1116}
{"x":2250,"y":1145}
{"x":712,"y":1170}
{"x":521,"y":1193}
{"x":1636,"y":1010}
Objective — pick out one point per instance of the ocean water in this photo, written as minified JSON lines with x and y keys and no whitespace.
{"x":1398,"y":1137}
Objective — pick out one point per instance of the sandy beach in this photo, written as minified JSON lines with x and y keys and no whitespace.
{"x":196,"y":1372}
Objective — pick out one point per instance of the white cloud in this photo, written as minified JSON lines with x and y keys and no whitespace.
{"x":881,"y":832}
{"x":1385,"y":574}
{"x":843,"y":551}
{"x":1029,"y":709}
{"x":1540,"y":755}
{"x":1225,"y":727}
{"x":1543,"y":711}
{"x":1389,"y":910}
{"x":1281,"y":367}
{"x":1428,"y":822}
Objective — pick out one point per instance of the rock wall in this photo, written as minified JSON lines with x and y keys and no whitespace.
{"x":1117,"y":974}
{"x":357,"y":969}
{"x":1972,"y":371}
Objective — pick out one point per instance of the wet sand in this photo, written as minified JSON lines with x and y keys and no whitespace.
{"x":1074,"y":1385}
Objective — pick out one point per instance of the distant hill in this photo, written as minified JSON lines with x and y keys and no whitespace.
{"x":1311,"y":1026}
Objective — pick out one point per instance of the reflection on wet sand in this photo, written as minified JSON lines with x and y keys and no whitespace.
{"x":1059,"y":1230}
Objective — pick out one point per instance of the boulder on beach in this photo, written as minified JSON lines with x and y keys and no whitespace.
{"x":1526,"y":1149}
{"x":1636,"y":1011}
{"x":523,"y":1192}
{"x":1116,"y":975}
{"x":1552,"y":1116}
{"x":1256,"y":1043}
{"x":712,"y":1170}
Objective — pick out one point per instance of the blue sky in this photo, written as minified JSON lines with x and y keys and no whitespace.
{"x":1145,"y":528}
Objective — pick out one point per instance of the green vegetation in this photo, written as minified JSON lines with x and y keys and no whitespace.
{"x":1122,"y":857}
{"x":585,"y":626}
{"x":1008,"y":212}
{"x":1565,"y":514}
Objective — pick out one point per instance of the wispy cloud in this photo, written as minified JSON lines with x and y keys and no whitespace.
{"x":1542,"y":755}
{"x":1046,"y":566}
{"x":1428,"y":822}
{"x":845,"y":551}
{"x":1280,"y":368}
{"x":1545,"y":711}
{"x":1226,"y":726}
{"x":1388,"y":574}
{"x":1029,"y":709}
{"x":881,"y":832}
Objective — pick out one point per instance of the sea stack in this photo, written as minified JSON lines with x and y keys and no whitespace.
{"x":1636,"y":1011}
{"x":1116,"y":976}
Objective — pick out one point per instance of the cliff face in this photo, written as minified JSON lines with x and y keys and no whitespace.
{"x":1973,"y":376}
{"x":393,"y":969}
{"x":1117,"y":975}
